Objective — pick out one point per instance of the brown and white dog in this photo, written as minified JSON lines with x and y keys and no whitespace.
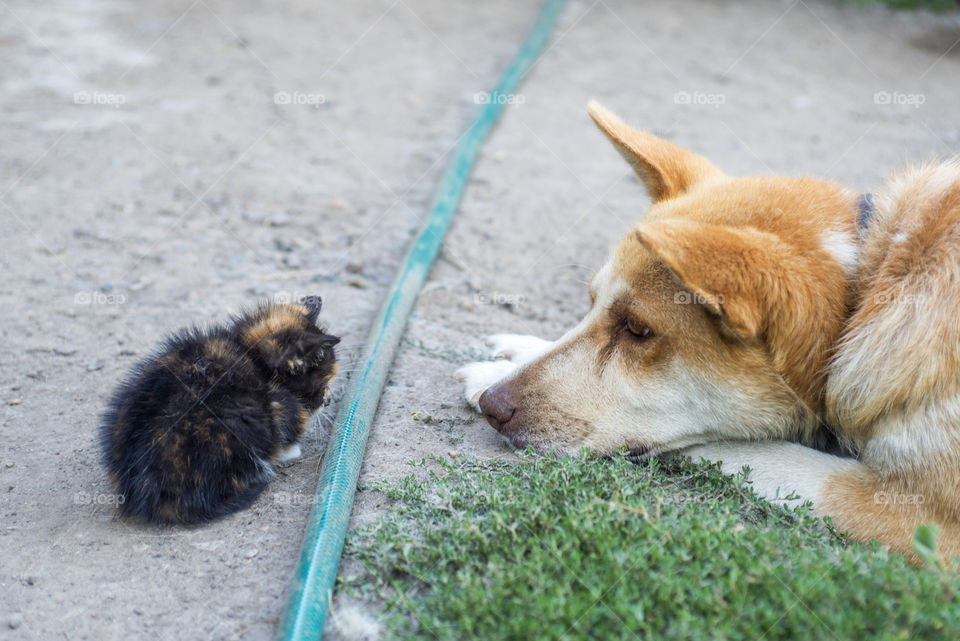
{"x":741,"y":318}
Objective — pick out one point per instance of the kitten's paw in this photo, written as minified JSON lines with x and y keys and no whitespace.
{"x":477,"y":377}
{"x":291,"y":453}
{"x":519,"y":348}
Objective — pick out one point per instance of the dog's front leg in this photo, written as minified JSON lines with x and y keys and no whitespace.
{"x":520,"y":349}
{"x":780,"y":471}
{"x":859,"y":501}
{"x":510,"y":352}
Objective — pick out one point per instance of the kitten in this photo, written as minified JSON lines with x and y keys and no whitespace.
{"x":194,"y":431}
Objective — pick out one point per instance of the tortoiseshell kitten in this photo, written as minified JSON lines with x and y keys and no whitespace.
{"x":194,"y":431}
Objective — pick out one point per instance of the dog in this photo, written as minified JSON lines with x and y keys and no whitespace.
{"x":742,"y":320}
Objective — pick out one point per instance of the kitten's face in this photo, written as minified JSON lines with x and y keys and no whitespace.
{"x":285,"y":339}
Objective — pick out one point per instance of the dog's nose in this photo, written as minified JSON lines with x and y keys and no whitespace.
{"x":498,"y":405}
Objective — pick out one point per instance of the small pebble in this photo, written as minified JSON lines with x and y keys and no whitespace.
{"x":14,"y":401}
{"x":338,"y":203}
{"x":14,"y":621}
{"x":251,"y":553}
{"x":357,"y":282}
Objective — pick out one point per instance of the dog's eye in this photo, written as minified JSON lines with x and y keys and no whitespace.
{"x":638,"y":329}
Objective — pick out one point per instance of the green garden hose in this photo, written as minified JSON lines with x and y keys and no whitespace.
{"x":313,"y":581}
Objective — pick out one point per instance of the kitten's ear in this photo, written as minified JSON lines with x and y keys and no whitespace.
{"x":313,"y":305}
{"x":329,"y":340}
{"x":313,"y":346}
{"x":300,"y":350}
{"x":324,"y":348}
{"x":306,"y":345}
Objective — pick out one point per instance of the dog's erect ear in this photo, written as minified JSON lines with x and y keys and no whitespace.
{"x":731,"y":271}
{"x":666,"y":169}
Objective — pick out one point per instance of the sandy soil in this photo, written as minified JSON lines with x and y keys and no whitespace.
{"x":165,"y":163}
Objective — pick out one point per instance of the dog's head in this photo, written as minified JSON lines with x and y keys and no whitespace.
{"x":712,"y":319}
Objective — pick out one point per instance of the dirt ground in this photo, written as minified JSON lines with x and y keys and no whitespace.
{"x":168,"y":162}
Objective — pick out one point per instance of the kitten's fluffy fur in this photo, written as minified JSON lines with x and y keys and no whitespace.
{"x":194,"y":432}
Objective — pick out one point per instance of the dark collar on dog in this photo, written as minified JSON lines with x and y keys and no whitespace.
{"x":864,"y":213}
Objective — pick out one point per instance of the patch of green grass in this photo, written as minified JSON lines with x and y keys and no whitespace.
{"x":937,"y":6}
{"x":606,"y":549}
{"x":449,"y":424}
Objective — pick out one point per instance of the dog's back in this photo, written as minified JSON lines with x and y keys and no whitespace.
{"x":894,"y":382}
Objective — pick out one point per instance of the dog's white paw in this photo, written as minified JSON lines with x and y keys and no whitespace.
{"x":519,"y":348}
{"x":477,"y":377}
